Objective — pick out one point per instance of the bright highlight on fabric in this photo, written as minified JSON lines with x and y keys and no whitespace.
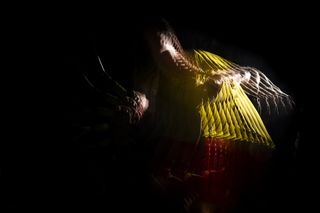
{"x":230,"y":115}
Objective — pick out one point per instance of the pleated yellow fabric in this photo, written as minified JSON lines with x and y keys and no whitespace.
{"x":232,"y":116}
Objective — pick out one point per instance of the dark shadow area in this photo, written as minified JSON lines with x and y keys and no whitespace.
{"x":82,"y":166}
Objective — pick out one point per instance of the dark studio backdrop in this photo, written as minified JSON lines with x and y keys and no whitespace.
{"x":71,"y":172}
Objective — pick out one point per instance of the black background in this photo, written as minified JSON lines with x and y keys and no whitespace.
{"x":51,"y":174}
